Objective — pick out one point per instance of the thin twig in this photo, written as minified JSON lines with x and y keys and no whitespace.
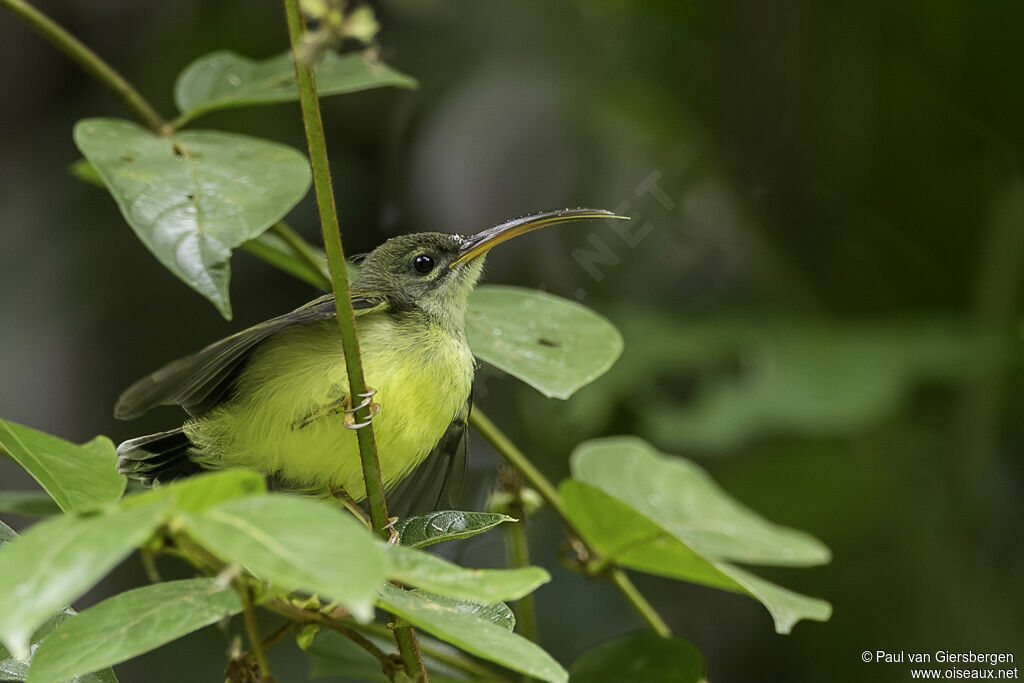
{"x":252,"y":627}
{"x":149,"y":565}
{"x":279,"y":633}
{"x":91,"y":62}
{"x":302,"y":250}
{"x":517,"y":548}
{"x":452,"y":657}
{"x":639,"y":602}
{"x":549,"y":493}
{"x":306,"y":616}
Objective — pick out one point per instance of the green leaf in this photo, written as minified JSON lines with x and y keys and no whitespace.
{"x":28,"y":503}
{"x":446,"y":525}
{"x":130,"y":624}
{"x":224,"y":79}
{"x":642,"y":656}
{"x":496,"y":612}
{"x":194,"y":196}
{"x":298,"y":544}
{"x":7,"y":534}
{"x":625,"y":536}
{"x":682,"y":498}
{"x":432,"y":573}
{"x":553,"y":344}
{"x":473,"y":634}
{"x":76,"y":477}
{"x":13,"y":669}
{"x":620,"y":533}
{"x":203,"y":491}
{"x":59,"y":559}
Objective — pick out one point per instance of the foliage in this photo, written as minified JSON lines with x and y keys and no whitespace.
{"x":192,"y":197}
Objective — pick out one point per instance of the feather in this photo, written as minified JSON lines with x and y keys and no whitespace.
{"x":200,"y":381}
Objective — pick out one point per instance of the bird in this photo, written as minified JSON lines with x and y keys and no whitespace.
{"x":274,"y":398}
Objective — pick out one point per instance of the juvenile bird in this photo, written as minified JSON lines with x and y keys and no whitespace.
{"x":273,"y":398}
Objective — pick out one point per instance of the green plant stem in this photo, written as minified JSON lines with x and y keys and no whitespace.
{"x":279,"y":633}
{"x":549,"y":493}
{"x":252,"y":627}
{"x":409,"y":651}
{"x":453,"y":658}
{"x":517,"y":459}
{"x":518,"y":549}
{"x":91,"y":62}
{"x":305,"y":616}
{"x":301,"y":249}
{"x":310,"y":104}
{"x":307,"y":265}
{"x":271,"y":255}
{"x":336,"y":263}
{"x":639,"y":602}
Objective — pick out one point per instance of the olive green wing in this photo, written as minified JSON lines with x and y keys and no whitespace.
{"x":199,"y":381}
{"x":437,"y":481}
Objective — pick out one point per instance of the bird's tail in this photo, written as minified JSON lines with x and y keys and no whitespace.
{"x":157,"y":458}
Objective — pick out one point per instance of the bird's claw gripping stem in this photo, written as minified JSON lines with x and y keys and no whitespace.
{"x":367,"y":402}
{"x":394,"y":537}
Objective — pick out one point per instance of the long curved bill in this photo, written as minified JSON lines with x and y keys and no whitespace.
{"x":485,"y":240}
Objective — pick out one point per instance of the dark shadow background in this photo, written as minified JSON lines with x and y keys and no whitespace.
{"x":820,"y":294}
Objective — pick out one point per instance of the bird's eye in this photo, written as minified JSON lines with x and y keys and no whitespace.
{"x":424,"y":263}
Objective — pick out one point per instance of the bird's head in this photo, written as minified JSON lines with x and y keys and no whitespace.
{"x":435,"y":271}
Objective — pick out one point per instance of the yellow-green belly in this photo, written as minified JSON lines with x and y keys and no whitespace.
{"x":422,"y":374}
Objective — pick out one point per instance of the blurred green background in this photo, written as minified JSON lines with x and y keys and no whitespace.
{"x":820,"y":290}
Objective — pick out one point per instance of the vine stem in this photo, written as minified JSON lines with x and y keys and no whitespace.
{"x":515,"y":457}
{"x":91,"y":62}
{"x":313,"y":124}
{"x":618,"y":577}
{"x":305,"y":616}
{"x":517,"y":549}
{"x":252,"y":627}
{"x":301,"y":249}
{"x":451,"y":657}
{"x":409,"y":650}
{"x":336,"y":265}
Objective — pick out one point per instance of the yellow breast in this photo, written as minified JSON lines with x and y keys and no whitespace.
{"x":422,"y":374}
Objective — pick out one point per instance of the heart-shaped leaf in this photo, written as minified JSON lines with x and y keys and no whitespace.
{"x":194,"y":196}
{"x":625,"y":536}
{"x":684,"y":499}
{"x":224,"y":79}
{"x":77,"y":477}
{"x":553,"y":344}
{"x":446,"y":525}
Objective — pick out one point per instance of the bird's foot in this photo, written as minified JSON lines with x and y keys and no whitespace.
{"x":393,"y":536}
{"x":367,"y":402}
